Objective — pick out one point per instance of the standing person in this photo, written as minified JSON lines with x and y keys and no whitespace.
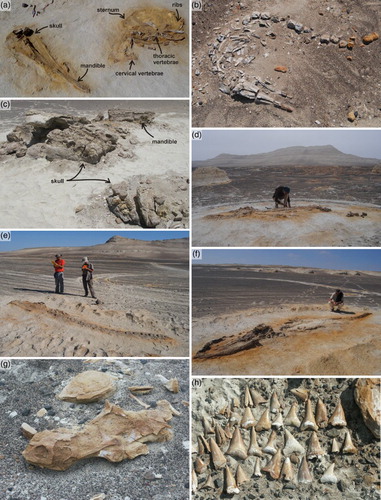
{"x":336,"y":299}
{"x":59,"y":265}
{"x":87,"y":277}
{"x":282,"y":193}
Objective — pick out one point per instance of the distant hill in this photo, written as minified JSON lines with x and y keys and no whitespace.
{"x":292,"y":156}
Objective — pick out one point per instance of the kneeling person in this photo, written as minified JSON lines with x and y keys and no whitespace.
{"x":282,"y":193}
{"x":336,"y":300}
{"x":87,"y":277}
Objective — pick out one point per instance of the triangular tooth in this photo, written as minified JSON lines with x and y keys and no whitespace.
{"x":270,"y":446}
{"x":235,"y":417}
{"x":237,"y":447}
{"x":220,"y":435}
{"x":321,"y":416}
{"x":230,"y":484}
{"x":292,"y":416}
{"x":309,"y":419}
{"x":240,"y":476}
{"x":235,"y":403}
{"x":264,"y":423}
{"x":338,"y":416}
{"x":254,"y":449}
{"x":209,"y":483}
{"x":329,"y":476}
{"x":203,"y":446}
{"x":256,"y":397}
{"x":348,"y":446}
{"x":304,"y":474}
{"x":292,"y":445}
{"x":301,"y":393}
{"x":248,"y":399}
{"x":200,"y":466}
{"x":194,"y":481}
{"x":247,"y":418}
{"x":335,"y":446}
{"x":274,"y":403}
{"x":273,"y":466}
{"x":223,"y":410}
{"x":287,"y":472}
{"x":228,"y":431}
{"x":257,"y":468}
{"x":314,"y":448}
{"x":218,"y":459}
{"x":278,"y":422}
{"x":208,"y":428}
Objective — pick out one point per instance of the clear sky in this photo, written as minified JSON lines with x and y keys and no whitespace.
{"x":364,"y":143}
{"x":348,"y":259}
{"x":36,"y":239}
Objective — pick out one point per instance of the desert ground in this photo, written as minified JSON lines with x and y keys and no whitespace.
{"x":299,"y":63}
{"x":335,"y":199}
{"x":355,"y":474}
{"x":32,"y":385}
{"x":253,"y":320}
{"x":70,"y":49}
{"x":95,"y":164}
{"x":141,"y":307}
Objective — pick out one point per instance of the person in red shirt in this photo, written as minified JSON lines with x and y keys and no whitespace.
{"x":59,"y":265}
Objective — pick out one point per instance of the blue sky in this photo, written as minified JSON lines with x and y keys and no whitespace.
{"x":36,"y":239}
{"x":365,"y":143}
{"x":348,"y":259}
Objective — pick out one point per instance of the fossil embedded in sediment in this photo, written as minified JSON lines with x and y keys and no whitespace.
{"x":301,"y":393}
{"x":304,"y":473}
{"x":335,"y":446}
{"x":209,"y":483}
{"x":194,"y":481}
{"x":337,"y":418}
{"x":254,"y":449}
{"x":309,"y":419}
{"x":230,"y":484}
{"x":291,"y":444}
{"x":348,"y":446}
{"x":278,"y":422}
{"x":26,"y":44}
{"x":220,"y":435}
{"x":235,"y":403}
{"x":270,"y":446}
{"x":203,"y":445}
{"x":240,"y":476}
{"x":228,"y":430}
{"x":257,"y":468}
{"x":200,"y":466}
{"x":237,"y":447}
{"x":247,"y":420}
{"x":208,"y":428}
{"x":329,"y":476}
{"x":274,"y":465}
{"x":264,"y":423}
{"x":248,"y":401}
{"x":256,"y":397}
{"x":314,"y":448}
{"x":287,"y":472}
{"x":321,"y":416}
{"x":274,"y":403}
{"x":292,"y":417}
{"x":218,"y":459}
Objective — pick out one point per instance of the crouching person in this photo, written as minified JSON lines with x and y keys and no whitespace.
{"x":336,"y":300}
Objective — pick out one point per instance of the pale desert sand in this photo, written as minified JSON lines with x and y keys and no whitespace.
{"x":142,"y":306}
{"x":88,"y":37}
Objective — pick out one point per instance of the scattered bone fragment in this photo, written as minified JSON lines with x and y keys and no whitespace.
{"x":42,"y":412}
{"x":27,"y":430}
{"x":141,"y":389}
{"x":87,"y":387}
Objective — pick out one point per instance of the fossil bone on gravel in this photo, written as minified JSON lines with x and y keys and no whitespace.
{"x":87,"y":387}
{"x":115,"y":434}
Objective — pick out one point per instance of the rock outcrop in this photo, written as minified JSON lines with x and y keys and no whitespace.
{"x":367,"y":397}
{"x":87,"y":387}
{"x":209,"y":176}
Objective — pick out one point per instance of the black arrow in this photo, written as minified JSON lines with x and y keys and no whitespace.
{"x":81,"y":167}
{"x":178,"y":17}
{"x":80,"y":78}
{"x":131,"y":64}
{"x":101,"y":180}
{"x":144,"y":128}
{"x":38,"y":30}
{"x":158,"y":44}
{"x":122,"y":16}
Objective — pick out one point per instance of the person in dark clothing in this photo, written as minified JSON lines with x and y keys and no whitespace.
{"x":59,"y":267}
{"x":281,"y":196}
{"x":87,"y":277}
{"x":336,"y":300}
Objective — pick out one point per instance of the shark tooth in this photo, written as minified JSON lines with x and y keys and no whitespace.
{"x":292,"y":445}
{"x":274,"y":403}
{"x":321,"y":416}
{"x":314,"y":448}
{"x":209,"y":484}
{"x":335,"y":446}
{"x":218,"y":459}
{"x":348,"y":446}
{"x":208,"y":428}
{"x":256,"y":397}
{"x":254,"y":449}
{"x":309,"y":419}
{"x":220,"y":435}
{"x":300,"y":393}
{"x":234,"y":417}
{"x":304,"y":474}
{"x":273,"y":466}
{"x":257,"y":468}
{"x":228,"y":431}
{"x":278,"y":422}
{"x":264,"y":423}
{"x":235,"y":403}
{"x":230,"y":484}
{"x":329,"y":476}
{"x":194,"y":481}
{"x":240,"y":476}
{"x":338,"y":416}
{"x":287,"y":472}
{"x":248,"y":401}
{"x":292,"y":417}
{"x":247,"y":418}
{"x":237,"y":447}
{"x":200,"y":466}
{"x":270,"y":446}
{"x":203,"y":446}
